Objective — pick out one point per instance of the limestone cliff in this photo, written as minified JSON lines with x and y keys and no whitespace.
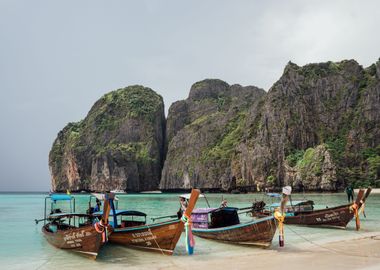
{"x":317,"y":128}
{"x":203,"y":132}
{"x":331,"y":104}
{"x":119,"y":145}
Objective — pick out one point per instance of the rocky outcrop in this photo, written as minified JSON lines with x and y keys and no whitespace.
{"x":326,"y":103}
{"x":314,"y":171}
{"x":323,"y":117}
{"x":203,"y":132}
{"x":119,"y":145}
{"x":317,"y":128}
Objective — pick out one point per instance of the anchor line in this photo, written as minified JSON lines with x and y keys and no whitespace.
{"x":330,"y":249}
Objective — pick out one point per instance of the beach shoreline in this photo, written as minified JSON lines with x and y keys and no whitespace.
{"x":360,"y":252}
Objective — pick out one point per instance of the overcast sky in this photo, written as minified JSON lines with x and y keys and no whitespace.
{"x":58,"y":57}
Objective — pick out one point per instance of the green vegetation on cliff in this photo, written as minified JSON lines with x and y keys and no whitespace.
{"x":306,"y":161}
{"x":121,"y":135}
{"x":310,"y":163}
{"x":67,"y":140}
{"x":294,"y":157}
{"x":136,"y":151}
{"x":137,"y":100}
{"x":225,"y":146}
{"x":130,"y":102}
{"x":318,"y":126}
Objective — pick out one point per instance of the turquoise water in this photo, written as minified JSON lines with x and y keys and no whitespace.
{"x":23,"y":246}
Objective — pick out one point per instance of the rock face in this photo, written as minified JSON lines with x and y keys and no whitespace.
{"x":331,"y":104}
{"x":119,"y":145}
{"x":317,"y":128}
{"x":314,"y":171}
{"x":203,"y":132}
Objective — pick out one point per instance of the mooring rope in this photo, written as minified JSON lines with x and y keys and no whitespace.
{"x":162,"y":252}
{"x":154,"y":238}
{"x":331,"y":249}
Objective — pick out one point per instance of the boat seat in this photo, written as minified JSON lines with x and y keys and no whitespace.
{"x":131,"y":223}
{"x":53,"y":228}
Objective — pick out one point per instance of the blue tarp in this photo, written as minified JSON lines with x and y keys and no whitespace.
{"x":60,"y":215}
{"x":123,"y":212}
{"x":275,"y":195}
{"x":60,"y":197}
{"x":210,"y":210}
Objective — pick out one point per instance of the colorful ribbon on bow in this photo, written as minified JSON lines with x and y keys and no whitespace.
{"x":362,"y":208}
{"x":280,"y":218}
{"x":100,"y":228}
{"x":190,"y":242}
{"x":355,"y":208}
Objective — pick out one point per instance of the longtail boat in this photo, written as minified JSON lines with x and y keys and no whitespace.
{"x":338,"y":216}
{"x":73,"y":231}
{"x":129,"y":228}
{"x":303,"y":213}
{"x":223,"y":224}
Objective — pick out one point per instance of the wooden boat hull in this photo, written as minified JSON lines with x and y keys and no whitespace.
{"x":84,"y":240}
{"x":161,"y":237}
{"x":338,"y":216}
{"x":257,"y":232}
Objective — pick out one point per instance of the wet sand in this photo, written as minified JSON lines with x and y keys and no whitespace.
{"x":357,"y":253}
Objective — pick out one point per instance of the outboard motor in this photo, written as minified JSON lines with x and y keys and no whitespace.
{"x":258,"y":206}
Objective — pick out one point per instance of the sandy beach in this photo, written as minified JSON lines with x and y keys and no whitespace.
{"x":362,"y":252}
{"x":359,"y":251}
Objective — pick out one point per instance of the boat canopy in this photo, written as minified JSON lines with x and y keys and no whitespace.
{"x":100,"y":196}
{"x":187,"y":196}
{"x":274,"y":195}
{"x":118,"y":191}
{"x":63,"y":215}
{"x":207,"y":218}
{"x":123,"y":213}
{"x":203,"y":210}
{"x":211,"y":210}
{"x":61,"y":197}
{"x":293,"y":203}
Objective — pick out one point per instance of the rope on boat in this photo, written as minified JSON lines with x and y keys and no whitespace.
{"x":154,"y":238}
{"x":280,"y":218}
{"x":355,"y":208}
{"x":100,"y":228}
{"x":362,"y":208}
{"x":190,"y":242}
{"x":331,"y":249}
{"x":162,"y":251}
